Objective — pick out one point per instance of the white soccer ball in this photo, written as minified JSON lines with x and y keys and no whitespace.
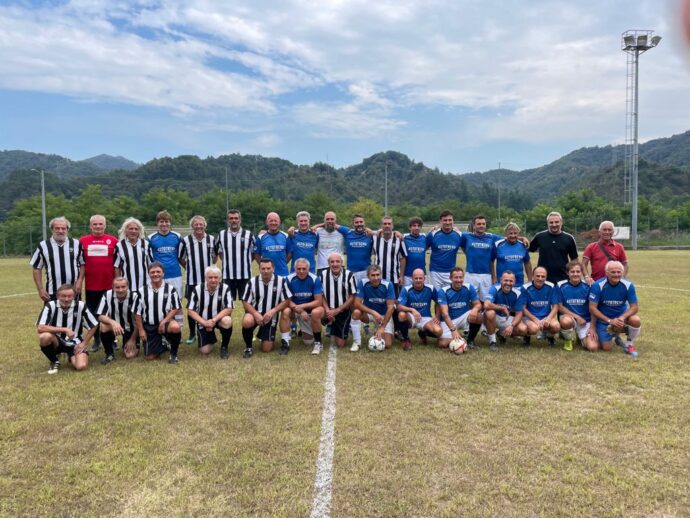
{"x":376,"y":345}
{"x":458,"y":346}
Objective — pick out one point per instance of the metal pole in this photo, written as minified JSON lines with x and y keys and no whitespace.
{"x":227,"y":199}
{"x":635,"y":153}
{"x":385,"y":209}
{"x":43,"y":204}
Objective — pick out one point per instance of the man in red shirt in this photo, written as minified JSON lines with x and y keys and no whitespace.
{"x":603,"y":251}
{"x":99,"y":251}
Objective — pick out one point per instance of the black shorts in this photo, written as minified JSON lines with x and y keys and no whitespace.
{"x":206,"y":337}
{"x":92,"y":299}
{"x":67,"y":347}
{"x":267,"y":332}
{"x":154,"y":341}
{"x":237,"y":287}
{"x":340,"y":328}
{"x":188,"y":290}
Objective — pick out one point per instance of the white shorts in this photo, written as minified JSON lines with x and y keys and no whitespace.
{"x":582,"y":330}
{"x":481,"y":282}
{"x":418,"y":324}
{"x":439,"y":279}
{"x":502,"y":322}
{"x":176,"y":282}
{"x":462,"y":322}
{"x":389,"y":329}
{"x":304,"y":325}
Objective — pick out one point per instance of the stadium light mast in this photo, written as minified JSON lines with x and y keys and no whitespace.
{"x":43,"y":201}
{"x":385,"y":191}
{"x":633,"y":43}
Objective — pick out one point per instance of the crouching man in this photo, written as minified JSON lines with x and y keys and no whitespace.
{"x":210,"y":307}
{"x":306,"y":305}
{"x":116,"y":315}
{"x":613,"y":305}
{"x":503,"y":309}
{"x":60,"y":326}
{"x":414,"y":305}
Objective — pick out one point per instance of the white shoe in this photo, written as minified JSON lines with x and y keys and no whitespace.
{"x":354,"y":348}
{"x":317,"y":348}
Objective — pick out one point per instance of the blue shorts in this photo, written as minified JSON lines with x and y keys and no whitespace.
{"x":602,"y":332}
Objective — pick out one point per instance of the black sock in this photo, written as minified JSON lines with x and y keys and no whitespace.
{"x":174,"y":340}
{"x":317,"y":336}
{"x":108,"y":340}
{"x":404,"y":330}
{"x":396,"y":321}
{"x":225,"y":337}
{"x":474,"y":330}
{"x":248,"y":336}
{"x":192,"y":327}
{"x":422,"y":333}
{"x":50,"y":353}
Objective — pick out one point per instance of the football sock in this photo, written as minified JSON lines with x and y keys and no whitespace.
{"x":248,"y":336}
{"x":225,"y":337}
{"x":108,"y":340}
{"x":405,"y":330}
{"x":317,"y":336}
{"x":192,"y":327}
{"x":49,"y":352}
{"x":174,"y":340}
{"x":356,"y":326}
{"x":633,"y":332}
{"x":492,"y":337}
{"x":286,"y":337}
{"x":474,"y":331}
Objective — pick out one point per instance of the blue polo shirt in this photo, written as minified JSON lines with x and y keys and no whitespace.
{"x":165,"y":250}
{"x":304,"y":290}
{"x":358,"y":247}
{"x":444,"y":249}
{"x":275,"y":247}
{"x":459,"y":301}
{"x":480,"y":251}
{"x":575,"y":298}
{"x":416,"y":253}
{"x":511,"y":256}
{"x":376,"y":298}
{"x":304,"y":246}
{"x":419,"y":299}
{"x":513,"y":300}
{"x":611,"y":300}
{"x":540,"y":300}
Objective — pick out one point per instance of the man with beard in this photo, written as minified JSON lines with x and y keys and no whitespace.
{"x":235,"y":247}
{"x":555,"y":248}
{"x":444,"y":243}
{"x":116,"y":315}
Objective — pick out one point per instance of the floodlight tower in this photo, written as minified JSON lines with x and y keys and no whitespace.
{"x":633,"y":43}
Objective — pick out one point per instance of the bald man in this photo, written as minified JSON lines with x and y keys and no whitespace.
{"x":274,"y":245}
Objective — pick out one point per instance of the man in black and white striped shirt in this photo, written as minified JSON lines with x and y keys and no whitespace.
{"x":339,"y":290}
{"x":60,"y":327}
{"x":116,"y":315}
{"x":196,"y":253}
{"x":209,"y":307}
{"x":157,"y":305}
{"x":264,"y":298}
{"x":133,"y":254}
{"x":235,"y":246}
{"x":63,"y":259}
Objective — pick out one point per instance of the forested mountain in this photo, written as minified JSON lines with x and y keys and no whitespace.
{"x":110,"y":163}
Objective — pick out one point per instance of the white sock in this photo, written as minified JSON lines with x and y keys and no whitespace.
{"x":286,"y":336}
{"x":568,"y":334}
{"x":633,"y":332}
{"x":356,"y":326}
{"x":492,"y":337}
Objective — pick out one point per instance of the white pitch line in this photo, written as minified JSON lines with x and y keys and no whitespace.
{"x":16,"y":295}
{"x":323,"y":481}
{"x":663,"y":288}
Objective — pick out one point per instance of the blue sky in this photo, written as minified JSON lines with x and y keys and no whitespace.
{"x":460,"y":85}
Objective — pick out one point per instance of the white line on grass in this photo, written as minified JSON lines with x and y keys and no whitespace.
{"x":663,"y":288}
{"x":323,"y":482}
{"x":16,"y":295}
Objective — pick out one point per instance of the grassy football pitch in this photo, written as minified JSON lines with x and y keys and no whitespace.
{"x":425,"y":433}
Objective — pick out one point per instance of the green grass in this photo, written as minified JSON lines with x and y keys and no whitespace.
{"x":425,"y":433}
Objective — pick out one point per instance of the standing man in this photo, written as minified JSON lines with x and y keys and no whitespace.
{"x":165,"y":249}
{"x":133,"y":254}
{"x":358,"y":245}
{"x":415,"y":244}
{"x":511,"y":254}
{"x":116,"y":315}
{"x":210,"y":306}
{"x":197,"y":253}
{"x":157,"y":305}
{"x":99,"y":269}
{"x":339,"y":290}
{"x":330,"y":241}
{"x":480,"y":251}
{"x":540,"y":299}
{"x":265,"y":296}
{"x":304,"y":241}
{"x":306,"y":305}
{"x":555,"y":248}
{"x":503,"y":310}
{"x":60,"y":327}
{"x":414,"y":306}
{"x":390,"y":253}
{"x":375,"y":302}
{"x":603,"y":251}
{"x":63,"y":259}
{"x":444,"y":243}
{"x":274,"y":245}
{"x":460,"y":310}
{"x":235,"y":247}
{"x":613,"y":305}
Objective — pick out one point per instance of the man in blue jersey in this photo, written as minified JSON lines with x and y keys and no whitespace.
{"x":573,"y":306}
{"x":165,"y":248}
{"x":503,"y":310}
{"x":460,"y":310}
{"x":414,"y":307}
{"x":541,"y":307}
{"x":511,"y":254}
{"x":306,"y":305}
{"x":415,"y":243}
{"x":274,"y":245}
{"x":479,"y":249}
{"x":375,"y":302}
{"x":304,"y":241}
{"x":358,"y":246}
{"x":444,"y":243}
{"x":613,"y":306}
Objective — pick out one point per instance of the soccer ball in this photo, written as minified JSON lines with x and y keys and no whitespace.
{"x":376,"y":345}
{"x":458,"y":346}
